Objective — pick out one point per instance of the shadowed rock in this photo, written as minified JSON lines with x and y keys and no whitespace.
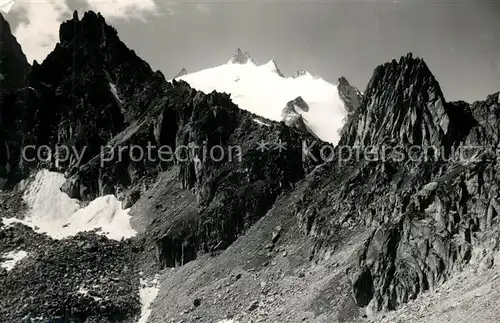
{"x":240,"y":58}
{"x":181,"y":73}
{"x":350,"y":95}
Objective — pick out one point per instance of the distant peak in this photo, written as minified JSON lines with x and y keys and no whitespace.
{"x":181,"y":73}
{"x":240,"y":58}
{"x":349,"y":94}
{"x":273,"y":67}
{"x":302,"y":72}
{"x":6,"y":6}
{"x":342,"y":81}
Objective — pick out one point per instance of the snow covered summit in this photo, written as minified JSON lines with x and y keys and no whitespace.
{"x":263,"y":90}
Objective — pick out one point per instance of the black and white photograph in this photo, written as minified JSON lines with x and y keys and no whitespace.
{"x":249,"y":161}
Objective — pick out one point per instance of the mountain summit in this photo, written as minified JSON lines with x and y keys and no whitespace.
{"x":265,"y":91}
{"x":403,"y":102}
{"x":240,"y":57}
{"x":181,"y":73}
{"x":349,"y":94}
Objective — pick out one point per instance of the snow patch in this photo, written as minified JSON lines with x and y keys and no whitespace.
{"x":6,"y":5}
{"x":113,"y":90}
{"x":148,"y":292}
{"x":261,"y":90}
{"x":261,"y":122}
{"x":56,"y":214}
{"x":12,"y":258}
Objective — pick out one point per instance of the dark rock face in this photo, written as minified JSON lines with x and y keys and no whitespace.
{"x":349,"y":94}
{"x":13,"y":64}
{"x":404,"y":105}
{"x":217,"y":159}
{"x":181,"y":73}
{"x":86,"y":89}
{"x":13,"y":71}
{"x":292,"y":116}
{"x":233,"y":192}
{"x":426,"y":214}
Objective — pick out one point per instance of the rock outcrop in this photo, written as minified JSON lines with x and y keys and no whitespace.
{"x":14,"y":69}
{"x":349,"y":94}
{"x":300,"y":73}
{"x":292,"y":116}
{"x":240,"y":57}
{"x":181,"y":73}
{"x":427,"y":210}
{"x":14,"y":66}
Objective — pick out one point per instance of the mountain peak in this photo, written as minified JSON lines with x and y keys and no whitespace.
{"x":240,"y":58}
{"x":409,"y":70}
{"x":273,"y":67}
{"x":301,"y":72}
{"x":92,"y":26}
{"x":181,"y":73}
{"x":349,"y":94}
{"x":403,"y":102}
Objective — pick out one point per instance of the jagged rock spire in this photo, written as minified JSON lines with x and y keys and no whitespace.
{"x":240,"y":58}
{"x":403,"y":104}
{"x":273,"y":67}
{"x":181,"y":73}
{"x":349,"y":94}
{"x":292,"y":114}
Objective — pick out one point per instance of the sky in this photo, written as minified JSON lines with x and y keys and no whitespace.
{"x":459,"y":40}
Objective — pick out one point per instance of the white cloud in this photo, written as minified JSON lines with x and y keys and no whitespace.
{"x":124,"y":9}
{"x":203,"y":8}
{"x":38,"y":32}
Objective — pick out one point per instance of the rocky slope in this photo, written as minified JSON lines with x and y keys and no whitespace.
{"x":241,"y":219}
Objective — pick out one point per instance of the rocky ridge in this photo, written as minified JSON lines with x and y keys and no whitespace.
{"x":349,"y":94}
{"x":292,"y":116}
{"x":181,"y":73}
